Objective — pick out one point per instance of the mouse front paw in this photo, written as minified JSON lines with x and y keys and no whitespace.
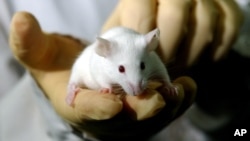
{"x":105,"y":90}
{"x":73,"y":89}
{"x":171,"y":90}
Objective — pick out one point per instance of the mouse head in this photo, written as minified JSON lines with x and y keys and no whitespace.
{"x":128,"y":59}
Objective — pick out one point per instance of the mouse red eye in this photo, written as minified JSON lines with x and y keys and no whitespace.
{"x":121,"y":69}
{"x":142,"y":65}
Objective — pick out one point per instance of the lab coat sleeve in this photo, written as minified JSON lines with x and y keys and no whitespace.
{"x":26,"y":114}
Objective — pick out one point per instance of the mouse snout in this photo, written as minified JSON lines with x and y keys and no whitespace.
{"x":137,"y":88}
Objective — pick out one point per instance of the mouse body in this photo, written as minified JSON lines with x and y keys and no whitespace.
{"x":120,"y":56}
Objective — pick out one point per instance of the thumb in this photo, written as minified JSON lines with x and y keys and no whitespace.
{"x":37,"y":50}
{"x":27,"y":41}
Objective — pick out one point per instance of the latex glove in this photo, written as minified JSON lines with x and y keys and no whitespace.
{"x":49,"y":58}
{"x":188,"y":27}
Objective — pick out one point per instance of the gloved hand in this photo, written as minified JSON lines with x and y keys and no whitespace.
{"x":189,"y":28}
{"x":49,"y":57}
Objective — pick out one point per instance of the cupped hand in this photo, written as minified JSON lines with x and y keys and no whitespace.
{"x":49,"y":57}
{"x":188,"y":27}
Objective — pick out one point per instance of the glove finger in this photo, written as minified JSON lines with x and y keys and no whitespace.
{"x":231,"y":18}
{"x":172,"y":18}
{"x":190,"y":89}
{"x":201,"y":29}
{"x":138,"y":15}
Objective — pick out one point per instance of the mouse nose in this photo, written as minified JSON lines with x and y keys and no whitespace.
{"x":137,"y":88}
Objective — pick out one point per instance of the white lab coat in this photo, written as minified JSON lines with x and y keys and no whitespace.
{"x":25,"y":114}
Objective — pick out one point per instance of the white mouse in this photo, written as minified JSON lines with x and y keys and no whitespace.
{"x":120,"y":56}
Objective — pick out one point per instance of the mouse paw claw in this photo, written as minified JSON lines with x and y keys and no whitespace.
{"x":105,"y":90}
{"x":171,"y":90}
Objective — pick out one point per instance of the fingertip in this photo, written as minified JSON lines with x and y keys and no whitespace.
{"x":187,"y":82}
{"x":178,"y":89}
{"x":25,"y":35}
{"x":96,"y":106}
{"x":23,"y":24}
{"x":189,"y":90}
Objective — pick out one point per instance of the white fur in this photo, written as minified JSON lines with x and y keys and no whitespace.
{"x":96,"y":70}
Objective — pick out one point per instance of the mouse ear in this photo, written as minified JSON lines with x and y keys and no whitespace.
{"x":103,"y":47}
{"x":152,"y":39}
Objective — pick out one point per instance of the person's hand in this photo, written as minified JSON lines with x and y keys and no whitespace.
{"x":187,"y":27}
{"x":49,"y":57}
